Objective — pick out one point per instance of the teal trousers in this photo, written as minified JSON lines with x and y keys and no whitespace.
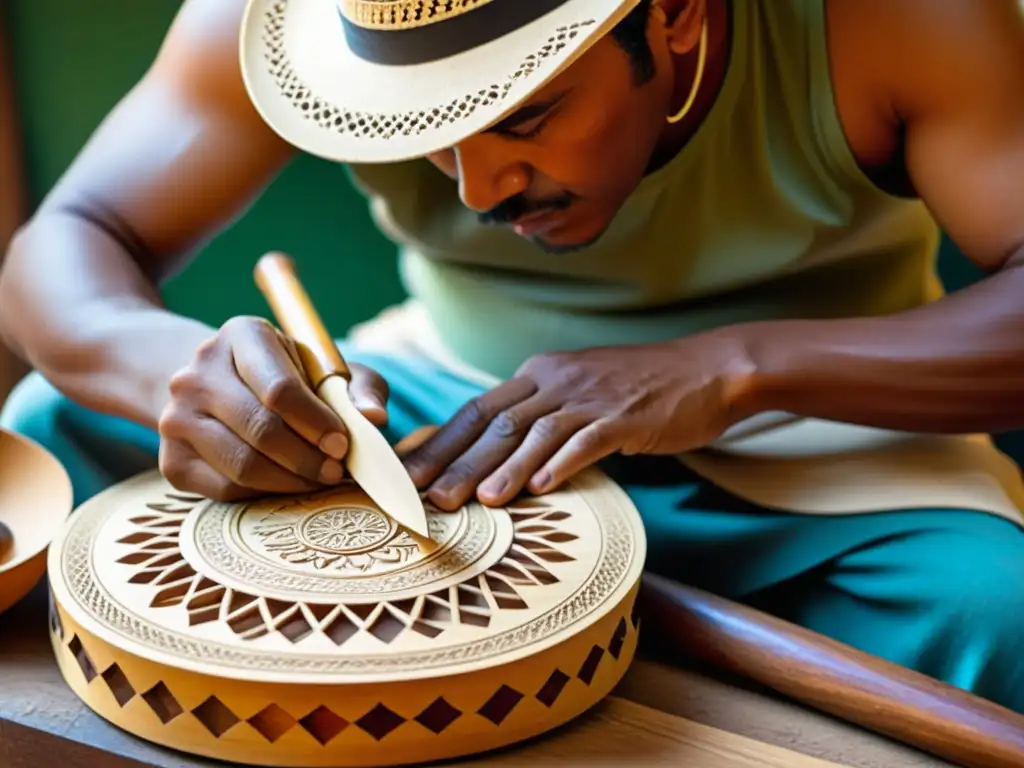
{"x":938,"y":591}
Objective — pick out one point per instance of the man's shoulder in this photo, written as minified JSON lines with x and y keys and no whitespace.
{"x":905,"y":49}
{"x":199,"y":53}
{"x":894,"y":59}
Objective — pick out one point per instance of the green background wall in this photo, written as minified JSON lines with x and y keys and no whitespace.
{"x":74,"y":60}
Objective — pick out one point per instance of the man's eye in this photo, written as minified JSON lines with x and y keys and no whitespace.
{"x":527,"y":131}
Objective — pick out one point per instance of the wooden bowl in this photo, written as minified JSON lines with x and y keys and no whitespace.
{"x":35,"y":500}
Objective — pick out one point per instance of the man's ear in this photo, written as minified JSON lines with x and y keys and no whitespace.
{"x":682,"y":21}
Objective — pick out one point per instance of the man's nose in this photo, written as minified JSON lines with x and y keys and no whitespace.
{"x":485,"y":177}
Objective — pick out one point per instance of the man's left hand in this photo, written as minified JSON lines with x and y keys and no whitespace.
{"x":562,"y":412}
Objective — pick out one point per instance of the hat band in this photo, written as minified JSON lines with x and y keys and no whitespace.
{"x":430,"y":42}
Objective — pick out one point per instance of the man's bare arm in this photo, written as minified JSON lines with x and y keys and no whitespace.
{"x":947,"y":76}
{"x":179,"y":158}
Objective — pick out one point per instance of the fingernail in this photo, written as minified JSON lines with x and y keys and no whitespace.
{"x":330,"y":472}
{"x":417,"y":475}
{"x":541,"y":481}
{"x":441,"y":495}
{"x":494,"y":487}
{"x":334,"y":445}
{"x":439,"y":488}
{"x":366,"y":402}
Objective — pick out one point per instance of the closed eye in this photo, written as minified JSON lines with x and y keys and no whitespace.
{"x":528,"y":121}
{"x":527,"y":133}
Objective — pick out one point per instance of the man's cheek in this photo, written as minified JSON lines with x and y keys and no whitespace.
{"x":444,"y":161}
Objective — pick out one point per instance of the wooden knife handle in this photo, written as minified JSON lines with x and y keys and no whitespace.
{"x":278,"y":280}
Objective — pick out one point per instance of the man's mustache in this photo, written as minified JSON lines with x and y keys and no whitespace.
{"x":514,"y":208}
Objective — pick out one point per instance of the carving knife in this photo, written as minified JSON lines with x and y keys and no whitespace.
{"x":371,"y":461}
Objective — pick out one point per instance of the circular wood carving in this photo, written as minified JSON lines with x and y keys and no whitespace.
{"x":171,"y":609}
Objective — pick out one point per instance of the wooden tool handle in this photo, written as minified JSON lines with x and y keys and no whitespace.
{"x":834,"y":678}
{"x":278,"y":279}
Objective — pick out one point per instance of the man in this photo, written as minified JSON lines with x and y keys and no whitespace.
{"x":689,"y":240}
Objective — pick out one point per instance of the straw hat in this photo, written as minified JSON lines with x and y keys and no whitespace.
{"x":370,"y":81}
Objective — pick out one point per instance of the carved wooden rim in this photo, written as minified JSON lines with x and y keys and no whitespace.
{"x":617,"y":570}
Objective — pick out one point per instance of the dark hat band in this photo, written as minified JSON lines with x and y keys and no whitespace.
{"x":460,"y":33}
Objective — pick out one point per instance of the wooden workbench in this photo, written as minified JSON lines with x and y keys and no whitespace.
{"x":666,"y":714}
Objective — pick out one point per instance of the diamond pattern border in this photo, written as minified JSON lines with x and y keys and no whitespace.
{"x":273,"y":722}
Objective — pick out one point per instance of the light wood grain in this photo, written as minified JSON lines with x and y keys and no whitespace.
{"x":620,"y":732}
{"x":700,"y":693}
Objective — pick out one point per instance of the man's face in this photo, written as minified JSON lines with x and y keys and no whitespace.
{"x":558,"y":169}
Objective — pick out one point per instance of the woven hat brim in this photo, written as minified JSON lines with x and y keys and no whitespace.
{"x":323,"y":99}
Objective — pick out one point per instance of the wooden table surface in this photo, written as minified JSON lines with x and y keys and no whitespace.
{"x":43,"y":723}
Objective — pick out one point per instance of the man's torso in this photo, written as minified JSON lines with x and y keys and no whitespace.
{"x":765,"y":214}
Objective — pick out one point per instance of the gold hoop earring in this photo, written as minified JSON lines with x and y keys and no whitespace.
{"x":698,"y":78}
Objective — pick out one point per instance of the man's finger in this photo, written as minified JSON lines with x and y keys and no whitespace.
{"x":243,"y":465}
{"x":585,"y":448}
{"x":369,"y":392}
{"x":186,"y":472}
{"x":500,"y":440}
{"x":267,"y":369}
{"x":415,"y":439}
{"x":239,"y":410}
{"x":544,"y":440}
{"x":426,"y":463}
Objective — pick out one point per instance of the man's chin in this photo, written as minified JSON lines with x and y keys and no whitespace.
{"x":563,"y":242}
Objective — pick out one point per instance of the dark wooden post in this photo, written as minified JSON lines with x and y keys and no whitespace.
{"x":13,"y":194}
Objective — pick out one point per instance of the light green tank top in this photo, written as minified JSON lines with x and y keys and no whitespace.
{"x":764,"y":214}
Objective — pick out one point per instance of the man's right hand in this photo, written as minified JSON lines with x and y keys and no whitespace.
{"x":242,"y":420}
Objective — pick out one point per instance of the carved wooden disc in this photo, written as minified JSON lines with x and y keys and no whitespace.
{"x":326,"y":586}
{"x":313,"y":631}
